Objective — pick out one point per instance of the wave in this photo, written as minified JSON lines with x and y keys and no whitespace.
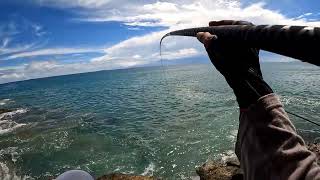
{"x":7,"y":173}
{"x":4,"y":101}
{"x":13,"y":113}
{"x":7,"y":125}
{"x":233,"y":135}
{"x":228,"y":156}
{"x":149,"y":170}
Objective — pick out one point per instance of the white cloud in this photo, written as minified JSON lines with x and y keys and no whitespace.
{"x":8,"y":29}
{"x":176,"y":15}
{"x":183,"y":12}
{"x":5,"y":42}
{"x":16,"y":49}
{"x":11,"y":33}
{"x":38,"y":30}
{"x":181,"y":53}
{"x":52,"y":51}
{"x":140,"y":50}
{"x":54,"y":68}
{"x":147,"y":48}
{"x":304,"y":15}
{"x":75,"y":3}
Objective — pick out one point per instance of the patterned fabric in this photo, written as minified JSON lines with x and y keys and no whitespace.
{"x":269,"y":147}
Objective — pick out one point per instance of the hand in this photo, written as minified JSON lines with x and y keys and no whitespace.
{"x":239,"y":65}
{"x":232,"y":61}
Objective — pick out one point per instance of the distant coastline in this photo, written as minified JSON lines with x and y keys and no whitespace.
{"x":158,"y":65}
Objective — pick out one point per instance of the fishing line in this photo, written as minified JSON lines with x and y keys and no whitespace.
{"x":162,"y":67}
{"x":298,"y":116}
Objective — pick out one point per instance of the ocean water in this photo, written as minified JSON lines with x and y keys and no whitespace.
{"x":149,"y":121}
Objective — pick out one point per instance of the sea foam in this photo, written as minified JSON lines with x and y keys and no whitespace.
{"x":4,"y":102}
{"x":149,"y":170}
{"x":9,"y":174}
{"x":7,"y":125}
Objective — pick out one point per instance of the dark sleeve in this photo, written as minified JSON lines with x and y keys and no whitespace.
{"x":269,"y":147}
{"x":299,"y":42}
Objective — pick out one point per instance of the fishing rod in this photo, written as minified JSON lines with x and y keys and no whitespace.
{"x":299,"y":42}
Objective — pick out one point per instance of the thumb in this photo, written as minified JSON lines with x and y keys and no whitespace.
{"x":205,"y":38}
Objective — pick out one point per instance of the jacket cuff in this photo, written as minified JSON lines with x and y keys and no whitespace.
{"x":268,"y":102}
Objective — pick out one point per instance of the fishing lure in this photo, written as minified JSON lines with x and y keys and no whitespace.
{"x":299,"y":42}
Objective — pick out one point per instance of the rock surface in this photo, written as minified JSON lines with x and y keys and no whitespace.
{"x":118,"y":176}
{"x":230,"y":170}
{"x":315,"y":147}
{"x":4,"y":111}
{"x":220,"y":171}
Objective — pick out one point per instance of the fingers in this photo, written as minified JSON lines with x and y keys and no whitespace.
{"x":228,"y":22}
{"x":205,"y":38}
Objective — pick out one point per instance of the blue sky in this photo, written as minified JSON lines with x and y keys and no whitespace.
{"x":41,"y":38}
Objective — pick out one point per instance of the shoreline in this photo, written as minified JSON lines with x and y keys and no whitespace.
{"x":211,"y":170}
{"x":223,"y":169}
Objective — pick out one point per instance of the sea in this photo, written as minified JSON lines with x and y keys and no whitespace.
{"x":163,"y":121}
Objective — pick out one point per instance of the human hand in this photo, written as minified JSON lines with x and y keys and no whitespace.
{"x":238,"y":64}
{"x":233,"y":61}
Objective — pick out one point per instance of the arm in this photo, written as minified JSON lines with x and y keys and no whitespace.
{"x":268,"y":146}
{"x":299,"y":42}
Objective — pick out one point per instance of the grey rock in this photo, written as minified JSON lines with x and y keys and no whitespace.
{"x":4,"y":110}
{"x":119,"y":176}
{"x":220,"y":171}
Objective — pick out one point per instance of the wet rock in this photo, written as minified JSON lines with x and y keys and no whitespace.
{"x":220,"y":171}
{"x":118,"y":176}
{"x":230,"y":170}
{"x":315,"y":147}
{"x":4,"y":110}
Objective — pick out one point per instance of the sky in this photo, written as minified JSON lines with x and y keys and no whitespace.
{"x":43,"y":38}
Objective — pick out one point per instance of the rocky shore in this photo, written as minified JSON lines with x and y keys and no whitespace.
{"x":119,"y":176}
{"x":4,"y":111}
{"x":211,"y":170}
{"x":230,"y":170}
